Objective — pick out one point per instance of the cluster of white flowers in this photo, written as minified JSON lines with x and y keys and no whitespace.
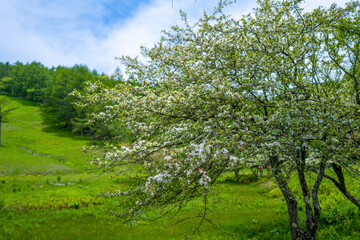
{"x":158,"y":181}
{"x":99,"y":162}
{"x":204,"y":180}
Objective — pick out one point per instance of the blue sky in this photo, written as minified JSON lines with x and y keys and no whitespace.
{"x":94,"y":32}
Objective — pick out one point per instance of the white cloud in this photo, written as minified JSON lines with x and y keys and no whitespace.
{"x":53,"y":35}
{"x":70,"y":32}
{"x":145,"y":28}
{"x":312,"y":4}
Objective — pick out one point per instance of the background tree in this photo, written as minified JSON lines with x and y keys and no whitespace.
{"x":4,"y":110}
{"x":36,"y":82}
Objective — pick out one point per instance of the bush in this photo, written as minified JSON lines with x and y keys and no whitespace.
{"x":16,"y":187}
{"x":2,"y":203}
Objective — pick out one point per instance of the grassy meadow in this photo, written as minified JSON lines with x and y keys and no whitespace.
{"x":45,"y":193}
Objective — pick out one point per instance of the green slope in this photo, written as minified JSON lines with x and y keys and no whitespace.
{"x":31,"y":145}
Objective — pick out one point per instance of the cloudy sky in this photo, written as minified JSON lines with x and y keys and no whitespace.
{"x":94,"y":32}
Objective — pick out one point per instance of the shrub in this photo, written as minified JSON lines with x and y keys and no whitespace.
{"x":16,"y":187}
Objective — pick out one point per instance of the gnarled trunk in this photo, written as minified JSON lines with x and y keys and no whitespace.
{"x":340,"y":184}
{"x":291,"y":202}
{"x":313,"y":209}
{"x":311,"y":200}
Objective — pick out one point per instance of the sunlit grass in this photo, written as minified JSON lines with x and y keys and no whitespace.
{"x":45,"y":194}
{"x":30,"y":145}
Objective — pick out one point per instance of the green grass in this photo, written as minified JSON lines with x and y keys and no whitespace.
{"x":32,"y":146}
{"x":33,"y":205}
{"x":45,"y":194}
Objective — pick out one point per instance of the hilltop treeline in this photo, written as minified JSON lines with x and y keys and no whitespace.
{"x":51,"y":86}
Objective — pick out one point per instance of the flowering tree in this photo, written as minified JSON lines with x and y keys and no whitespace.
{"x":341,"y":43}
{"x":224,"y":92}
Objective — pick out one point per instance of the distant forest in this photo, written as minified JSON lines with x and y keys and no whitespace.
{"x":51,"y":86}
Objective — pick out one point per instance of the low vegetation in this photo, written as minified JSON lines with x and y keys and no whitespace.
{"x":46,"y":194}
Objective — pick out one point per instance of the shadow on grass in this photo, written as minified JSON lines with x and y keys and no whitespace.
{"x":240,"y":179}
{"x":49,"y":121}
{"x":20,"y":100}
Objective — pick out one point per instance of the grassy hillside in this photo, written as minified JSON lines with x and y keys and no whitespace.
{"x":45,"y":194}
{"x":32,"y":146}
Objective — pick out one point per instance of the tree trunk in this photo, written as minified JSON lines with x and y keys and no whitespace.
{"x":236,"y":171}
{"x":296,"y":232}
{"x":315,"y":190}
{"x":340,"y":184}
{"x":313,"y":208}
{"x":310,"y":222}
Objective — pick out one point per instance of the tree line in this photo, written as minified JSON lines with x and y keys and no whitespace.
{"x":51,"y":86}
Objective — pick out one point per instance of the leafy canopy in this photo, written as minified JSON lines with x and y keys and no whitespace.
{"x":267,"y":89}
